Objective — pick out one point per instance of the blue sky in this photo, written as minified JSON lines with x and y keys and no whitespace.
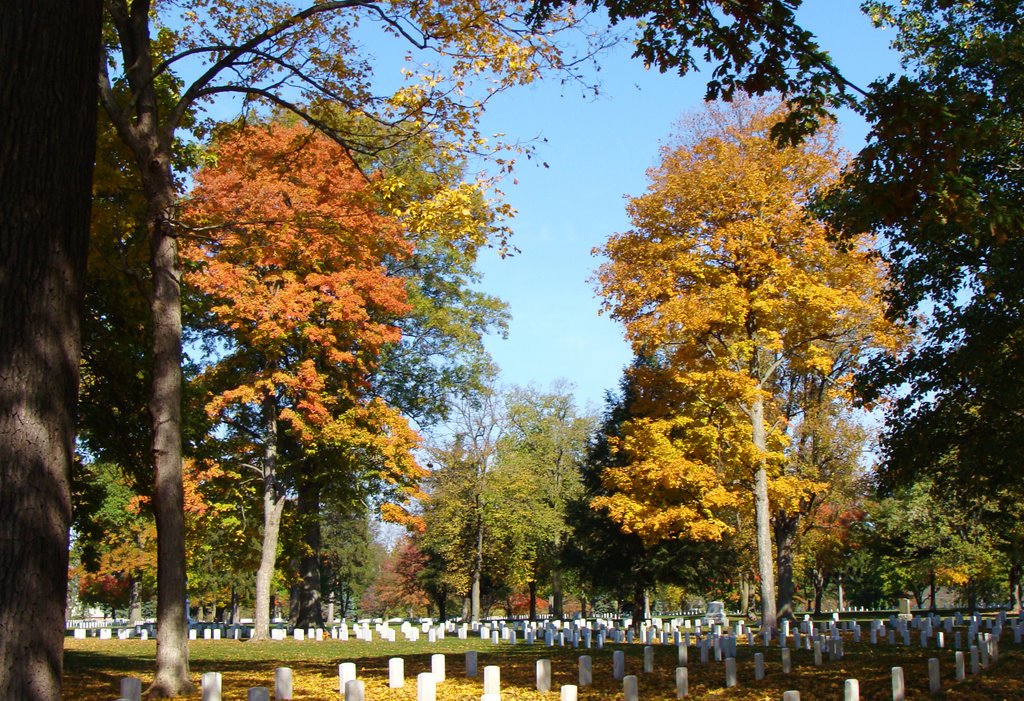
{"x":598,"y":151}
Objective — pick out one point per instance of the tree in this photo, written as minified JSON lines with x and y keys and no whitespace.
{"x":611,"y":560}
{"x":941,"y":177}
{"x":47,"y":120}
{"x":114,"y":534}
{"x":274,"y":54}
{"x":729,"y":286}
{"x":547,"y":439}
{"x":463,"y":523}
{"x":292,"y":256}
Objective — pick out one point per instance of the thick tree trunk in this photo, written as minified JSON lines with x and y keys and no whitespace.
{"x":762,"y":519}
{"x":48,"y":59}
{"x":273,"y":507}
{"x":785,"y":539}
{"x":47,"y":128}
{"x":310,"y":601}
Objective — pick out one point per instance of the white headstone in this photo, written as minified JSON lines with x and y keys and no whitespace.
{"x":492,"y":680}
{"x":543,"y":675}
{"x":131,"y":688}
{"x":396,"y":673}
{"x":630,"y":688}
{"x":212,"y":685}
{"x":426,"y":687}
{"x":682,"y":682}
{"x":282,"y":683}
{"x":899,"y":689}
{"x":346,"y":673}
{"x":355,"y":690}
{"x":258,"y":693}
{"x":730,"y":672}
{"x":586,"y":670}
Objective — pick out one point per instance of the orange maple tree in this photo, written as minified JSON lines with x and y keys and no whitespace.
{"x":289,"y":249}
{"x":730,"y":292}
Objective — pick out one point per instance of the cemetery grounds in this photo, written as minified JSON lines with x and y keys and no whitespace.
{"x":93,"y":669}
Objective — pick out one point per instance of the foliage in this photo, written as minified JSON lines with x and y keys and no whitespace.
{"x":753,"y":48}
{"x":941,"y":178}
{"x":291,"y":253}
{"x":609,"y":560}
{"x":545,"y":441}
{"x":727,"y":287}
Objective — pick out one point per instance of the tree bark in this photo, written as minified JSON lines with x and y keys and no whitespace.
{"x":533,"y":599}
{"x":744,"y":594}
{"x":762,"y":519}
{"x":273,"y":507}
{"x":638,"y":606}
{"x":785,"y":539}
{"x":134,"y":600}
{"x":1015,"y":587}
{"x":819,"y":590}
{"x":310,"y":600}
{"x":478,"y":564}
{"x":172,"y":673}
{"x":48,"y":58}
{"x":557,"y":597}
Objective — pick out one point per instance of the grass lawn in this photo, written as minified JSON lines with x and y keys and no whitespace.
{"x":93,"y":668}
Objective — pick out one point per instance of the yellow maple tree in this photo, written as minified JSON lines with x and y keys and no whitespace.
{"x":728,"y":288}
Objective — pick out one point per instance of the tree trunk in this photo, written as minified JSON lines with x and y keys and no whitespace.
{"x":478,"y":564}
{"x":744,"y":594}
{"x":762,"y":517}
{"x":273,"y":507}
{"x":442,"y":606}
{"x":172,"y":673}
{"x":840,"y":592}
{"x":785,"y":539}
{"x":310,"y":601}
{"x":638,"y":606}
{"x":557,"y":598}
{"x":134,"y":600}
{"x":330,"y":608}
{"x":533,"y":599}
{"x":819,"y":590}
{"x":932,"y":587}
{"x":48,"y":54}
{"x":1015,"y":587}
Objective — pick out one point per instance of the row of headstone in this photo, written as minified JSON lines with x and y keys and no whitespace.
{"x":354,"y":689}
